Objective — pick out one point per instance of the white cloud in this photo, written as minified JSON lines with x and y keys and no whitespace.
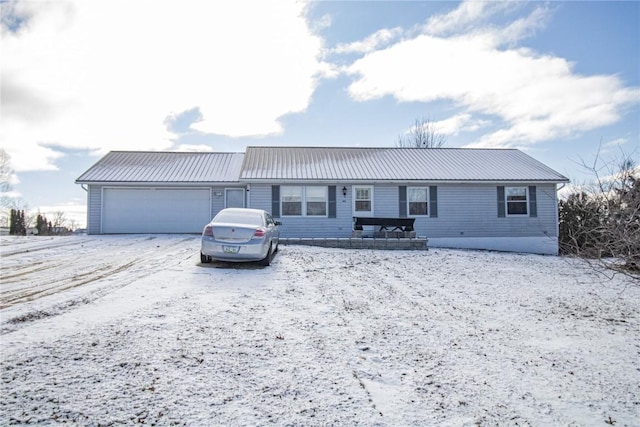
{"x":327,"y":70}
{"x":322,"y":23}
{"x":459,"y":123}
{"x":465,"y":17}
{"x":618,"y":142}
{"x":11,"y":194}
{"x":472,"y":15}
{"x":534,"y":97}
{"x":374,"y":41}
{"x":106,"y":75}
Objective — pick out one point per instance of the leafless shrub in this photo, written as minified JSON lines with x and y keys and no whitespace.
{"x":601,"y":222}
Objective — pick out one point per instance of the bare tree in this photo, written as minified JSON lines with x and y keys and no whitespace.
{"x":601,"y":222}
{"x":6,"y":202}
{"x":5,"y":171}
{"x":59,"y":222}
{"x":423,"y":134}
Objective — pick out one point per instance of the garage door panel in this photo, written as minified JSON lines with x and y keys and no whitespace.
{"x":155,"y":210}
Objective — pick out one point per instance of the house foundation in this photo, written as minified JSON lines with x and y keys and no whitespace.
{"x":360,"y":243}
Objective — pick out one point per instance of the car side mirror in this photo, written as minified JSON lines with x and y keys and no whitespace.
{"x":278,"y":223}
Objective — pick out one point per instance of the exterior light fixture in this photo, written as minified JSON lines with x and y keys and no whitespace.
{"x":344,"y":191}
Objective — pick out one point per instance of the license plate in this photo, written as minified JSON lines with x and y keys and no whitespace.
{"x":231,"y":249}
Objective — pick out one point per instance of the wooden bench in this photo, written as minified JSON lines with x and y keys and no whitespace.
{"x":398,"y":224}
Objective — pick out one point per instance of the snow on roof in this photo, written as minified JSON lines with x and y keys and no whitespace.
{"x":393,"y":164}
{"x":159,"y":166}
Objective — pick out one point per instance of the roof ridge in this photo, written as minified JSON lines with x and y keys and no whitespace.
{"x":174,"y":152}
{"x":376,"y":148}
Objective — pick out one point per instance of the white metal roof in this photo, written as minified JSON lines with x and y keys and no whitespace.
{"x":393,"y":164}
{"x":161,"y":166}
{"x":320,"y":164}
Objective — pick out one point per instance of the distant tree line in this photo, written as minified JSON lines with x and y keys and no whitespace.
{"x":14,"y":210}
{"x":602,"y":223}
{"x":18,"y":225}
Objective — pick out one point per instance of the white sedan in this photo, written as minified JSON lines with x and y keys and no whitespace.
{"x":240,"y":234}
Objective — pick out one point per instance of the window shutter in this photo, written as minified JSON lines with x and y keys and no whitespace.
{"x":275,"y":201}
{"x":501,"y":206}
{"x":533,"y":202}
{"x":332,"y":201}
{"x":433,"y":201}
{"x":402,"y":201}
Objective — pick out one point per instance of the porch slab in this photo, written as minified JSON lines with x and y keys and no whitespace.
{"x":359,"y":243}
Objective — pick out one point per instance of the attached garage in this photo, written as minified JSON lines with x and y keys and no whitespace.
{"x":160,"y":192}
{"x":155,"y":210}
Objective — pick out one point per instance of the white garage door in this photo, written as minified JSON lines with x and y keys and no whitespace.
{"x":155,"y":210}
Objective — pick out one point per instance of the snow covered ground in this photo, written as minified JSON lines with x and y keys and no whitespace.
{"x":121,"y":330}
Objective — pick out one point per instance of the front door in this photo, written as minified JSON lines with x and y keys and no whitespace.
{"x":234,"y":198}
{"x":363,"y":200}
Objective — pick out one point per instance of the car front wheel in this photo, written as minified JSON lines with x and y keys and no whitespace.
{"x":204,"y":258}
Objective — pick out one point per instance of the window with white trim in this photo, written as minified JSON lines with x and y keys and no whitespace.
{"x":418,"y":201}
{"x":291,"y":199}
{"x":304,"y":201}
{"x":363,"y":200}
{"x":316,"y":200}
{"x":517,"y":200}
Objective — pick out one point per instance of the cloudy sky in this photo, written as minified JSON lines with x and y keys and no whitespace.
{"x":79,"y":78}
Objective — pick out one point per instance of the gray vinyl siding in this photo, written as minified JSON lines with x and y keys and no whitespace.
{"x":308,"y":226}
{"x":94,"y":209}
{"x":464,"y":210}
{"x":217,"y":202}
{"x":385,"y":201}
{"x":472,"y":211}
{"x":260,"y":197}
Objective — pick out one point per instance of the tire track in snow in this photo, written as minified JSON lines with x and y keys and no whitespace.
{"x":34,"y":246}
{"x":32,"y":293}
{"x":16,"y":273}
{"x":113,"y":271}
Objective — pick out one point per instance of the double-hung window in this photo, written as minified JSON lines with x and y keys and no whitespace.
{"x":316,"y":200}
{"x":291,"y":200}
{"x":517,"y":200}
{"x":418,"y":200}
{"x":304,"y":201}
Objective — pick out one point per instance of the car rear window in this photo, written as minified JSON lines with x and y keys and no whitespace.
{"x":248,"y":218}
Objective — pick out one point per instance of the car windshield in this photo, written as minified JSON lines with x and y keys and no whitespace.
{"x":248,"y":218}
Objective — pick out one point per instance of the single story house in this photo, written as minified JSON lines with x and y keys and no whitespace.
{"x":500,"y":199}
